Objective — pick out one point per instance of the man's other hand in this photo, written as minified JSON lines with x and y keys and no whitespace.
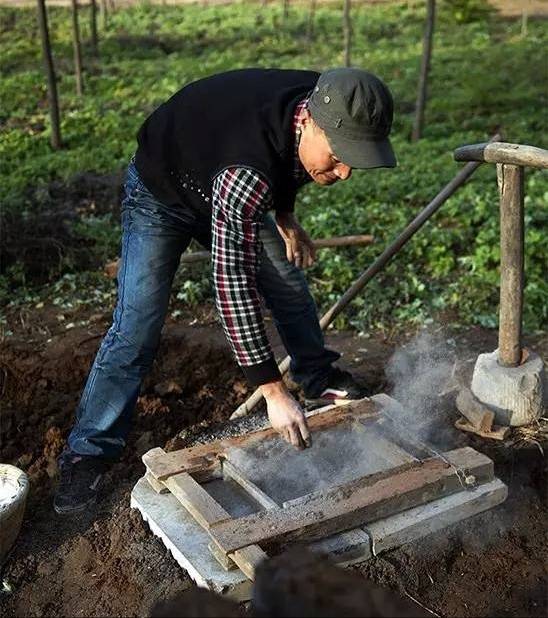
{"x":285,"y":415}
{"x":299,"y":247}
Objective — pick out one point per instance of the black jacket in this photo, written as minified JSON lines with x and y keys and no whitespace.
{"x":241,"y":118}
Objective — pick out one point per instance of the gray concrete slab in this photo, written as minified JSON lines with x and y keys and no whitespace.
{"x":188,"y":542}
{"x":416,"y":523}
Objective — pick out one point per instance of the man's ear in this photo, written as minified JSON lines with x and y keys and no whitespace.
{"x":307,"y":117}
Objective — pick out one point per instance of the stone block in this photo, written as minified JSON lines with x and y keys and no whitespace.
{"x":517,"y":395}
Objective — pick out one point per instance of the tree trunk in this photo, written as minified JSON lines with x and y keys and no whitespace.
{"x":286,"y":10}
{"x":103,"y":10}
{"x":310,"y":25}
{"x":425,"y":68}
{"x":77,"y":48}
{"x":347,"y":28}
{"x":50,"y":74}
{"x":93,"y":24}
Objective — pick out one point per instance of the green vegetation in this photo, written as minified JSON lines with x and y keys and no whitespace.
{"x":484,"y":75}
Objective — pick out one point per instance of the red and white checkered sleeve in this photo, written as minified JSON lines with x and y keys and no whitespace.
{"x":240,"y":199}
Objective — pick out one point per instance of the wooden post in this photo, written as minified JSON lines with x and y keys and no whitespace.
{"x":77,"y":48}
{"x":103,"y":11}
{"x":378,"y":265}
{"x":50,"y":75}
{"x":425,"y":68}
{"x":510,"y":181}
{"x":524,"y":16}
{"x":285,"y":10}
{"x":347,"y":29}
{"x":93,"y":27}
{"x":310,"y":24}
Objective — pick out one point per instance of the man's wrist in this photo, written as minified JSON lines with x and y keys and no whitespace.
{"x":273,"y":388}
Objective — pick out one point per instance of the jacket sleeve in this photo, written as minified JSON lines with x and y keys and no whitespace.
{"x":240,"y":199}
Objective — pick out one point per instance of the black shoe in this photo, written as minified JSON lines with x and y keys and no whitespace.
{"x":79,"y":479}
{"x":340,"y":387}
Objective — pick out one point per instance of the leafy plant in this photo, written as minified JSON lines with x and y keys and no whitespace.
{"x":484,"y":76}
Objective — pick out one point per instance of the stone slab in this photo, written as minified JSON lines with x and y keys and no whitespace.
{"x":417,"y":522}
{"x":188,"y":542}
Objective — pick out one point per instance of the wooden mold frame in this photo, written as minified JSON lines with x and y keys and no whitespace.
{"x":240,"y":542}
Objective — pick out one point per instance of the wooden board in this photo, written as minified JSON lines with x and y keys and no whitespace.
{"x":207,"y":512}
{"x":353,"y":504}
{"x":231,"y":471}
{"x":203,"y":459}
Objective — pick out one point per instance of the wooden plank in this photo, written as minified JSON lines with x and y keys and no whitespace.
{"x":356,"y":503}
{"x":497,"y":432}
{"x":207,"y":511}
{"x":248,"y":559}
{"x":479,"y":415}
{"x":368,"y":480}
{"x":503,"y":152}
{"x":204,"y":458}
{"x":158,"y":486}
{"x":161,"y":465}
{"x":231,"y":471}
{"x":222,"y":559}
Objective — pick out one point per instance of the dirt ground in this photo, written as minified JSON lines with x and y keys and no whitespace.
{"x":107,"y":562}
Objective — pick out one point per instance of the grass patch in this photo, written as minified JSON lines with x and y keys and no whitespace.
{"x":484,"y":75}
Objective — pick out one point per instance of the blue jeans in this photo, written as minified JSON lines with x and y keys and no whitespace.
{"x":153,"y":238}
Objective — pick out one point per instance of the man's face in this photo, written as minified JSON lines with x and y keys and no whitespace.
{"x":317,"y":157}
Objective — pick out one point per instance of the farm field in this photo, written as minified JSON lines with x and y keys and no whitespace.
{"x":59,"y":215}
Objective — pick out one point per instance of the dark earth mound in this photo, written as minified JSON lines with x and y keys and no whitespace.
{"x":107,"y":562}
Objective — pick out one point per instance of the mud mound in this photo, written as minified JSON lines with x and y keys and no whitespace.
{"x":107,"y":563}
{"x":42,"y":237}
{"x":193,"y":379}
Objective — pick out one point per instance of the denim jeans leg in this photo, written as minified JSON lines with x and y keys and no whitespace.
{"x":286,"y":294}
{"x":152,"y":243}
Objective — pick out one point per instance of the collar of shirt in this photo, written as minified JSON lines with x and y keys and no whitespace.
{"x":300,"y":174}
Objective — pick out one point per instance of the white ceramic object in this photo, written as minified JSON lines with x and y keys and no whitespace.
{"x":14,"y":488}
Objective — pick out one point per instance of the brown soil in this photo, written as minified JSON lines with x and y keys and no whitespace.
{"x":44,"y":239}
{"x":107,"y":562}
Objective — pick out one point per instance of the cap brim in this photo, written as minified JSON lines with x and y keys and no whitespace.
{"x":364,"y":154}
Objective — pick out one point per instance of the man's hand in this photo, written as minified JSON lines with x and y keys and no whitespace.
{"x":285,"y":414}
{"x":299,"y":247}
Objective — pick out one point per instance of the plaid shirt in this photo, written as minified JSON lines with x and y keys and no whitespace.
{"x":240,"y":198}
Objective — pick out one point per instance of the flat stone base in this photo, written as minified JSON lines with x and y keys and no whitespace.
{"x":188,"y":542}
{"x":517,"y":395}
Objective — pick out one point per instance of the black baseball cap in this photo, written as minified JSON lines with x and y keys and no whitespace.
{"x":355,"y":109}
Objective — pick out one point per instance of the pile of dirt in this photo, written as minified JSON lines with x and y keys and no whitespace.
{"x":107,"y":562}
{"x":41,"y":237}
